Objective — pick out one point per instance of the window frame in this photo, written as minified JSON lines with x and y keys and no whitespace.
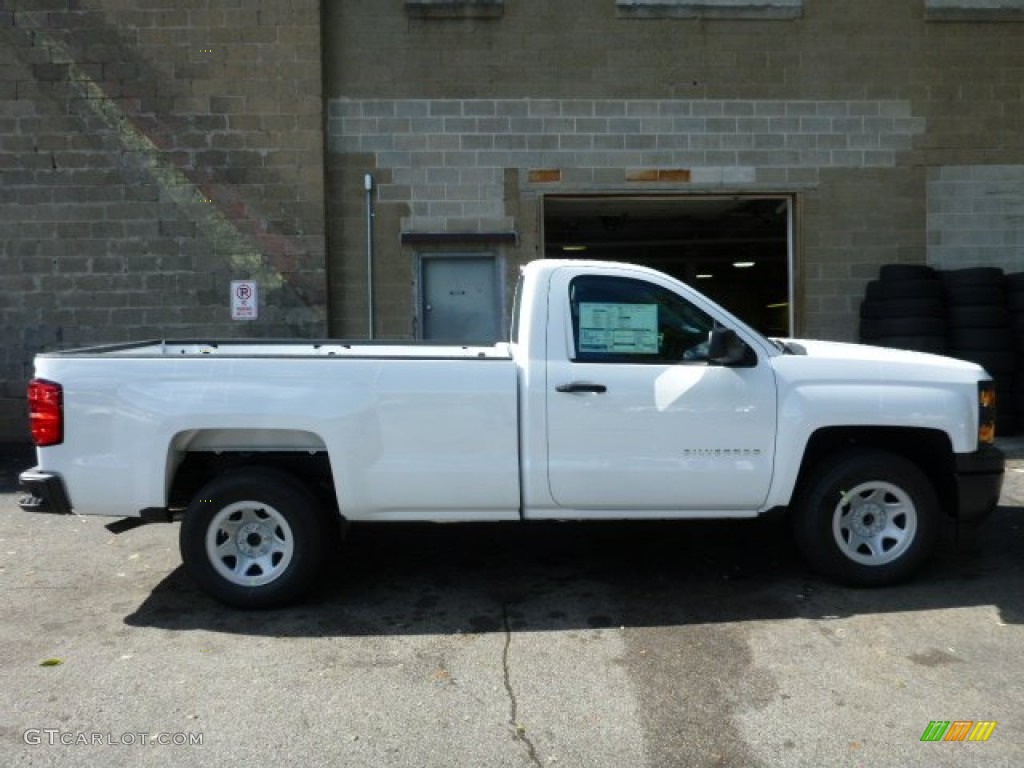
{"x":691,"y":313}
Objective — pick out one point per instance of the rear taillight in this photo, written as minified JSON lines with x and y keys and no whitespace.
{"x":986,"y":412}
{"x":46,"y":412}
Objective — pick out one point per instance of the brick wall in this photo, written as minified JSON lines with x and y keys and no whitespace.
{"x":848,"y":106}
{"x":446,"y":156}
{"x":855,"y":221}
{"x":150,"y":153}
{"x":976,"y":216}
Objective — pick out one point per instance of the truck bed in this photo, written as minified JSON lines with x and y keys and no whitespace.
{"x":404,"y":424}
{"x":265,"y":348}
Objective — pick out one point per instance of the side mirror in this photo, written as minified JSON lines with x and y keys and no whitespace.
{"x":726,"y":348}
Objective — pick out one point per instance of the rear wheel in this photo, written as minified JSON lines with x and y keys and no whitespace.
{"x":254,"y":538}
{"x":867,"y":518}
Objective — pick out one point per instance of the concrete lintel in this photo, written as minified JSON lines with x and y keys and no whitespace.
{"x":455,"y":9}
{"x":974,"y":10}
{"x":710,"y":9}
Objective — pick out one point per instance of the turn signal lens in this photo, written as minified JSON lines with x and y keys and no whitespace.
{"x":46,"y":412}
{"x":986,"y":395}
{"x":986,"y":412}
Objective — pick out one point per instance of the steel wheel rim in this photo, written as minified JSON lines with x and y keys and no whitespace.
{"x":874,"y":523}
{"x":249,"y":543}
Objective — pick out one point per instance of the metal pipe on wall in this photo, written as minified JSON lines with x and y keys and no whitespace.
{"x":368,"y":187}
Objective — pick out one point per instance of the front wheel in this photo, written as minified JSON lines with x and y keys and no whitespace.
{"x":867,"y":518}
{"x":253,"y":538}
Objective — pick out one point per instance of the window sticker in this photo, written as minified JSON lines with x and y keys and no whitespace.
{"x":624,"y":329}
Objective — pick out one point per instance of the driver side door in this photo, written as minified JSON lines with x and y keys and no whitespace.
{"x":638,"y":419}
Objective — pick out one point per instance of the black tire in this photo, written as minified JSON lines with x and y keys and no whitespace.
{"x":1016,"y":401}
{"x":978,"y":317}
{"x":866,"y":518}
{"x":892,"y":272}
{"x":874,"y":327}
{"x":935,"y":345}
{"x":996,"y":362}
{"x":973,"y":276}
{"x":1007,"y":418}
{"x":985,"y":339}
{"x":880,"y":308}
{"x":904,"y":289}
{"x":285,"y":534}
{"x":976,"y":294}
{"x":1015,"y":301}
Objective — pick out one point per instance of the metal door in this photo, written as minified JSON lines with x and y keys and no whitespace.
{"x":460,"y":298}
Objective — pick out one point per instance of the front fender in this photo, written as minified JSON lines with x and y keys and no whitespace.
{"x":807,"y":409}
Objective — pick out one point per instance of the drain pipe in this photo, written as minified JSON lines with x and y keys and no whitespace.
{"x":368,"y":187}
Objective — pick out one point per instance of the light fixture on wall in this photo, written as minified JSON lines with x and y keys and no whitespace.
{"x":573,"y":248}
{"x":743,"y":264}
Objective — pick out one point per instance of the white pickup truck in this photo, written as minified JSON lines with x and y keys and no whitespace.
{"x":623,"y":394}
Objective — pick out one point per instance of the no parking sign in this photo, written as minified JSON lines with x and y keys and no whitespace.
{"x":244,"y":300}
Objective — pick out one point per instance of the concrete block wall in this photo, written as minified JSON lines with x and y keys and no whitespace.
{"x":854,"y":222}
{"x":894,"y":90}
{"x":149,"y":155}
{"x":976,"y":217}
{"x":152,"y":152}
{"x":446,"y":157}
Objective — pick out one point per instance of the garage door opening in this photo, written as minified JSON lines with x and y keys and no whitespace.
{"x":735,"y":249}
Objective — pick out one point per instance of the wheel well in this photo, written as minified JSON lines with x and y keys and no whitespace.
{"x":930,"y":449}
{"x":197,"y":468}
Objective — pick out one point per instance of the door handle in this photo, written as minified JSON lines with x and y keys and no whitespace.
{"x":579,"y":386}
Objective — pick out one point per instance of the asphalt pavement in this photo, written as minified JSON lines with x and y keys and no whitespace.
{"x":611,"y":644}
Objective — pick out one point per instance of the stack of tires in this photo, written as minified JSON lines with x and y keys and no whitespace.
{"x":904,"y":308}
{"x":979,"y":330}
{"x":1015,"y":305}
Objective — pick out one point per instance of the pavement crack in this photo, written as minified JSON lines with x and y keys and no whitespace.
{"x":518,"y":729}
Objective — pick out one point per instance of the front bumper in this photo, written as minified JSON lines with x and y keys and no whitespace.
{"x":979,"y":478}
{"x":43,"y":492}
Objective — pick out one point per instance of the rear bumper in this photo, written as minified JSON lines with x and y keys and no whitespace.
{"x":979,"y":478}
{"x":43,"y":492}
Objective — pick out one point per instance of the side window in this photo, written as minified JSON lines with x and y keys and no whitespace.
{"x":622,"y":320}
